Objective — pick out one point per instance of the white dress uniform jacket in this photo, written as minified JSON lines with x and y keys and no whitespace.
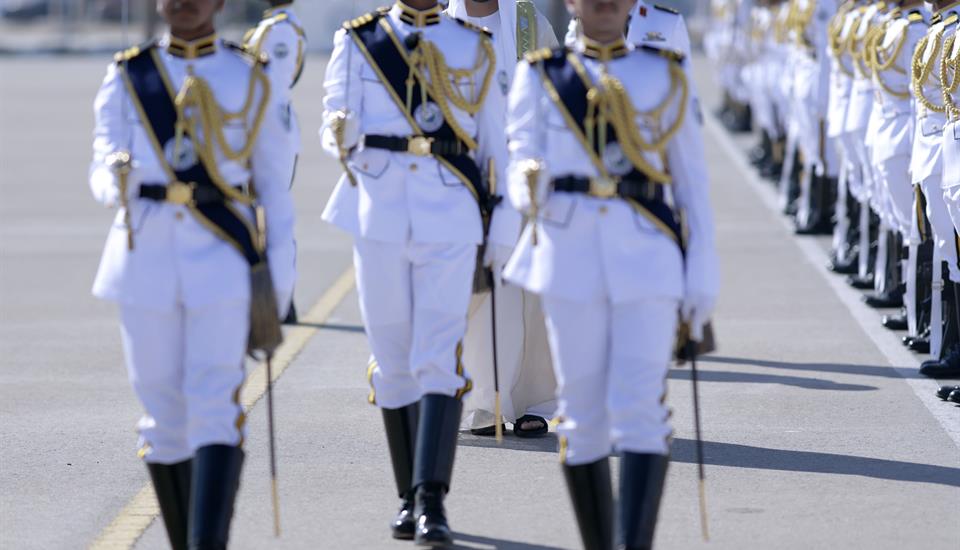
{"x":400,"y":197}
{"x":591,"y":249}
{"x":176,"y":259}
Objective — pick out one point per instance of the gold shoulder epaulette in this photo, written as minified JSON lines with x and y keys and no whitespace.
{"x":473,"y":27}
{"x":365,"y":18}
{"x":666,"y":9}
{"x":130,"y":53}
{"x":915,"y":17}
{"x":536,"y":56}
{"x":951,"y":20}
{"x":247,"y":53}
{"x":666,"y":53}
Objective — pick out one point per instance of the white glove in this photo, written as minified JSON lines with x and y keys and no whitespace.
{"x":351,"y":131}
{"x":696,"y":309}
{"x":519,"y":189}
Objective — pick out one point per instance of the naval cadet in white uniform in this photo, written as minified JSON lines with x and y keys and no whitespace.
{"x":413,"y":112}
{"x":186,"y":258}
{"x":525,"y":370}
{"x":648,"y":24}
{"x":606,"y":158}
{"x":280,"y":37}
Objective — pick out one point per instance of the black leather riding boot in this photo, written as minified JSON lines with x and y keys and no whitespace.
{"x":216,"y":479}
{"x":592,"y":496}
{"x":433,"y":466}
{"x":641,"y":485}
{"x":171,"y":482}
{"x":401,"y":427}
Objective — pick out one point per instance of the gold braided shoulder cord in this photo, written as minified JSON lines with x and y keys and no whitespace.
{"x":197,"y":107}
{"x":922,"y":70}
{"x":947,"y":83}
{"x":610,"y":102}
{"x":427,"y":58}
{"x":880,"y":66}
{"x":835,"y":30}
{"x":802,"y":19}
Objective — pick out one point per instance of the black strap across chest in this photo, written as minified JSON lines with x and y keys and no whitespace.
{"x":391,"y":64}
{"x":157,"y":105}
{"x":572,"y":92}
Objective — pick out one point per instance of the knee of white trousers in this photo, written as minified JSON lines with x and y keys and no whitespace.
{"x":583,"y":441}
{"x":436,"y":355}
{"x":164,"y":442}
{"x":392,"y":384}
{"x":639,"y":417}
{"x":216,"y":340}
{"x":152,"y":345}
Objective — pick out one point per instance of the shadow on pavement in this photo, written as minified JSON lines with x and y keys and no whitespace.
{"x":479,"y":542}
{"x":545,"y":444}
{"x":683,"y":373}
{"x":332,"y":326}
{"x":760,"y":458}
{"x":839,"y":368}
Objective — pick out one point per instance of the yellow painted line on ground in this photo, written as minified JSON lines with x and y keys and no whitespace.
{"x":139,"y":513}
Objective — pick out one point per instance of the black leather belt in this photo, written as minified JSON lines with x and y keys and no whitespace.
{"x":605,"y":189}
{"x":415,"y":145}
{"x":183,"y":193}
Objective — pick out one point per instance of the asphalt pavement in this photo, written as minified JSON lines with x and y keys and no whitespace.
{"x":818,"y":431}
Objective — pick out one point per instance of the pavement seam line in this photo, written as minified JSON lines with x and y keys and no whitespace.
{"x":138,"y":514}
{"x":866,"y":318}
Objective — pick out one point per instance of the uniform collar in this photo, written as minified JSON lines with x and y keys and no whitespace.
{"x":415,"y":17}
{"x":191,"y":49}
{"x":602,"y":52}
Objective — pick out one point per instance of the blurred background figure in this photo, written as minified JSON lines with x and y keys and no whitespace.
{"x":52,"y":26}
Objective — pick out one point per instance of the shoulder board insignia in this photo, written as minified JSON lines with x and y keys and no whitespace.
{"x":247,"y":53}
{"x":130,"y":53}
{"x":666,"y":9}
{"x":543,"y":54}
{"x":915,"y":17}
{"x":365,"y":19}
{"x":668,"y":54}
{"x":473,"y":27}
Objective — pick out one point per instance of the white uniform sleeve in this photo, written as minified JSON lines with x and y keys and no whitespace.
{"x":284,"y":49}
{"x":272,"y":170}
{"x":344,"y":66}
{"x":686,"y":157}
{"x":524,"y":132}
{"x":112,"y":133}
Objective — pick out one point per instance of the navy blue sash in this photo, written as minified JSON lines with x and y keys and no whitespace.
{"x":391,"y":64}
{"x":158,"y":106}
{"x":573,"y":95}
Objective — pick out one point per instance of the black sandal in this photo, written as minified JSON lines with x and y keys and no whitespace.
{"x":519,"y":431}
{"x":487,"y":431}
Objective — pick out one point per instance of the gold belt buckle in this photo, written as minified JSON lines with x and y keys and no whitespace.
{"x":419,"y":145}
{"x":603,"y":188}
{"x":180,"y":193}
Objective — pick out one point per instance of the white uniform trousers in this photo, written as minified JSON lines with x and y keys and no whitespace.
{"x":611,"y":363}
{"x":414,"y":299}
{"x":894,"y":173}
{"x":942,"y":223}
{"x":186,"y":367}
